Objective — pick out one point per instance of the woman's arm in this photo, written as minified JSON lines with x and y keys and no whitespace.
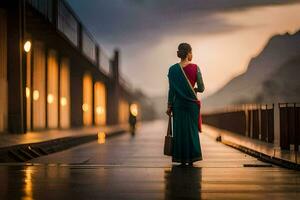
{"x":200,"y":84}
{"x":171,"y":96}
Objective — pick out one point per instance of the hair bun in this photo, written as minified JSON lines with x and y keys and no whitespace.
{"x":183,"y":50}
{"x":181,"y":54}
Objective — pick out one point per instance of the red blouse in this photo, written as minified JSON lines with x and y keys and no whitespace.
{"x":191,"y":73}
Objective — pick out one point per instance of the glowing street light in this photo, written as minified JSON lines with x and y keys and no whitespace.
{"x":36,"y":95}
{"x":27,"y":92}
{"x":63,"y":101}
{"x":50,"y":98}
{"x":85,"y":107}
{"x":99,"y":110}
{"x":134,"y":109}
{"x":27,"y":46}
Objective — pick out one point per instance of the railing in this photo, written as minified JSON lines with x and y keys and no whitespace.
{"x":257,"y":121}
{"x":67,"y":23}
{"x":89,"y":46}
{"x":290,"y":126}
{"x":71,"y":27}
{"x":45,"y":7}
{"x":104,"y":64}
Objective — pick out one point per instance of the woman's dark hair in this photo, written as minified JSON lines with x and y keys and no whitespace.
{"x":183,"y":50}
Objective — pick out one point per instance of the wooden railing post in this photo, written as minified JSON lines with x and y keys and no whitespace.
{"x":247,"y":120}
{"x":259,"y":121}
{"x":276,"y":125}
{"x":251,"y":121}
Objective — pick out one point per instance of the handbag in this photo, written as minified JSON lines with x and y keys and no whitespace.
{"x":168,"y":146}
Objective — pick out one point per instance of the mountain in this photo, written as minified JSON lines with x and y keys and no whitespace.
{"x":283,"y":84}
{"x":249,"y":86}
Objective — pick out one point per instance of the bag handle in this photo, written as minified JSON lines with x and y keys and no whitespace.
{"x":169,"y":132}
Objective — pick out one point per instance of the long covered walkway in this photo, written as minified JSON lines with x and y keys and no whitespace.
{"x":126,"y":167}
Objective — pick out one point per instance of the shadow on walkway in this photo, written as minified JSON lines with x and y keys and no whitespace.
{"x":183,"y":182}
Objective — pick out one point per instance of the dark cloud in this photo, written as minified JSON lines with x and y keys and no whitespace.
{"x":211,"y":5}
{"x":127,"y":21}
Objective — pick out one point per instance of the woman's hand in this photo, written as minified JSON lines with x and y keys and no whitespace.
{"x":169,"y":111}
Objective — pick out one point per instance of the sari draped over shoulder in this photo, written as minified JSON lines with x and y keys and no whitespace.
{"x":186,"y":117}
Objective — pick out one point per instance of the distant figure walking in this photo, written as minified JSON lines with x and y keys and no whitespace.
{"x":132,"y":122}
{"x":184,"y":106}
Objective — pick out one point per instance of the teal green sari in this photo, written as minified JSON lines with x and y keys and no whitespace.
{"x":186,"y":117}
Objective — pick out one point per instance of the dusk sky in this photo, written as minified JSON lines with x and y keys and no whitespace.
{"x":224,"y":34}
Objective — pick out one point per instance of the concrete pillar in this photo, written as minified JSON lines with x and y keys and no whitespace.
{"x":76,"y":93}
{"x":115,"y":66}
{"x":79,"y":36}
{"x":16,"y":67}
{"x":55,"y":12}
{"x":93,"y":100}
{"x":113,"y":94}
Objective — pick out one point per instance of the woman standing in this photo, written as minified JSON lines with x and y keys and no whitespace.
{"x":185,"y":107}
